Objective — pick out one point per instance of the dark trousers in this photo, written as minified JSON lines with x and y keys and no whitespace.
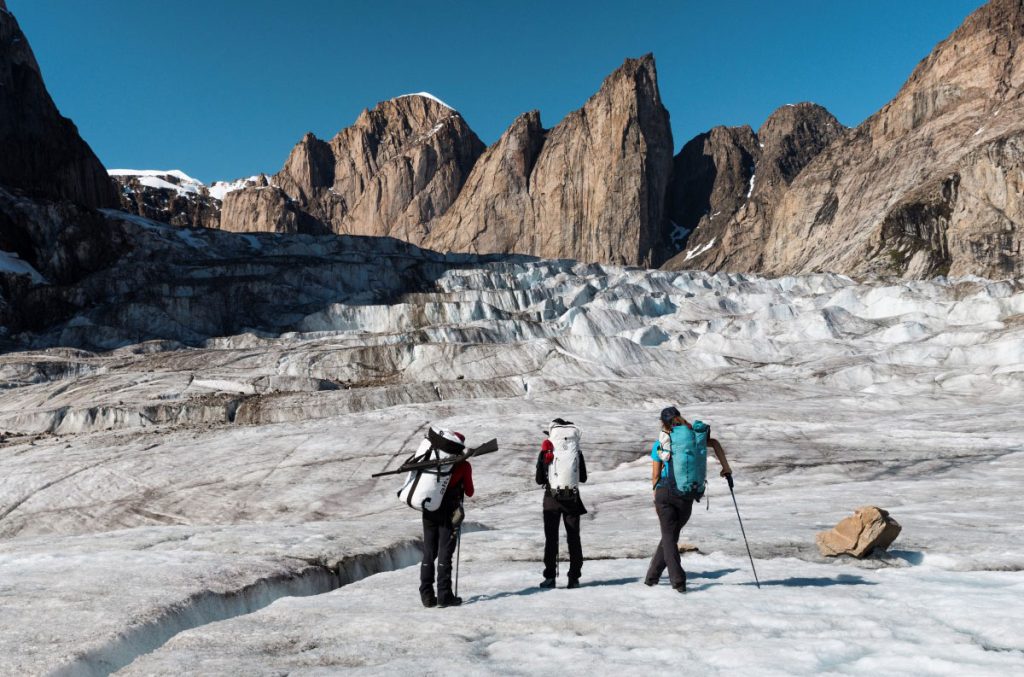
{"x":439,"y":540}
{"x":572,"y":536}
{"x":673,"y":513}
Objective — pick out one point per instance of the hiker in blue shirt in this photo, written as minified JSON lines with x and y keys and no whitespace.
{"x":678,"y":472}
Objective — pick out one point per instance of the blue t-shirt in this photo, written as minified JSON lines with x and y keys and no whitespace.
{"x":663,"y":480}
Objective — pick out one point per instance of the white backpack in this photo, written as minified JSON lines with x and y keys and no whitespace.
{"x":564,"y":470}
{"x":424,"y":489}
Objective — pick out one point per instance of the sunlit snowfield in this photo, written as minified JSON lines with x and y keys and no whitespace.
{"x":151,"y":498}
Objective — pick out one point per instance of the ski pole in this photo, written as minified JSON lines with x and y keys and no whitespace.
{"x":743,"y":531}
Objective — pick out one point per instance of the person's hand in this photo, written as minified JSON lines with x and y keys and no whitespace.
{"x":728,"y":477}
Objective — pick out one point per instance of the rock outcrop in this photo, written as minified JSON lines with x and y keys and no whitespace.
{"x":392,"y":173}
{"x":42,"y":154}
{"x":928,"y":185}
{"x":867,"y":530}
{"x":711,"y":180}
{"x":169,"y":197}
{"x":727,"y":183}
{"x":50,"y":181}
{"x":591,"y":188}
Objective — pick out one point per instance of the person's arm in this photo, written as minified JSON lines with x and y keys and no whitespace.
{"x":543,"y":460}
{"x":656,"y":465}
{"x":716,"y":446}
{"x":467,"y":481}
{"x":583,"y":468}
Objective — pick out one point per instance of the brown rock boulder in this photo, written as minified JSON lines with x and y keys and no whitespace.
{"x":868,"y":529}
{"x":592,"y":188}
{"x":41,"y":153}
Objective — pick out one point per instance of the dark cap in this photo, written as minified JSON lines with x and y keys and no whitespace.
{"x":669,"y":414}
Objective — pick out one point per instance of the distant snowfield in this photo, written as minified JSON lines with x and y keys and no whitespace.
{"x":184,"y":184}
{"x":161,"y":509}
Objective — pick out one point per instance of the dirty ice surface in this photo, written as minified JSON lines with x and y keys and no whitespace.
{"x":170,"y":510}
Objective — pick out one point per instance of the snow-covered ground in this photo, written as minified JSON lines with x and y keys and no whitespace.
{"x":152,"y":496}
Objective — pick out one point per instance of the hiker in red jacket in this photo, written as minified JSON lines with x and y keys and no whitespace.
{"x":440,"y":536}
{"x":562,"y":502}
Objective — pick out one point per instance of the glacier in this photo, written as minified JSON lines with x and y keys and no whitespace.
{"x":206,"y":507}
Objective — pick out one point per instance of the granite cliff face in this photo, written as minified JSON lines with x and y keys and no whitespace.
{"x":392,"y":173}
{"x":43,"y":155}
{"x":929,"y":185}
{"x":727,"y":183}
{"x":591,"y":188}
{"x":49,"y":182}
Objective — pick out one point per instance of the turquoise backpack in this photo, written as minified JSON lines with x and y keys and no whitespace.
{"x":689,"y":463}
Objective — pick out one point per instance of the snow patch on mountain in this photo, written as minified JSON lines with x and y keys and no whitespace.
{"x":221,"y":188}
{"x":12,"y":264}
{"x":697,"y":251}
{"x":172,"y":179}
{"x":183,"y":184}
{"x":427,"y":95}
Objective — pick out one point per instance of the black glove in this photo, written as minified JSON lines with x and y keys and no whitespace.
{"x":728,"y":478}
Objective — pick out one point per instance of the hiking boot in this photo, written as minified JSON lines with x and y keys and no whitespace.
{"x":649,"y":583}
{"x":449,"y":600}
{"x":548,"y":583}
{"x":428,"y":598}
{"x":573,"y":583}
{"x":680,"y":588}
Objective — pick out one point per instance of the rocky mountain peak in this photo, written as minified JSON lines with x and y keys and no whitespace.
{"x":590,"y":188}
{"x":395,"y":170}
{"x":790,"y":138}
{"x":43,"y":155}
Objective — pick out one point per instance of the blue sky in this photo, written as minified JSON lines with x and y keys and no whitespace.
{"x":223,"y":88}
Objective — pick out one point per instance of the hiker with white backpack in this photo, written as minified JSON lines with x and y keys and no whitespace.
{"x":437,"y":492}
{"x":561,"y":469}
{"x":679,"y":477}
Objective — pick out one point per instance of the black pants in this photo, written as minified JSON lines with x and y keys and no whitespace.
{"x":439,"y":540}
{"x":673,"y":513}
{"x":572,"y":535}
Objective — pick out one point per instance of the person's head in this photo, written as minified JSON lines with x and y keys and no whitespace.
{"x":556,"y":422}
{"x":670,"y":418}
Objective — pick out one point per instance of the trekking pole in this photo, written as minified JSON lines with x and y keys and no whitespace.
{"x":458,"y":553}
{"x":743,"y":531}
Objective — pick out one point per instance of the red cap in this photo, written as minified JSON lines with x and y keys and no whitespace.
{"x":546,"y":445}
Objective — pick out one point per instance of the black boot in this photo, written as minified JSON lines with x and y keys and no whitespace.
{"x":428,"y":598}
{"x":547,"y":583}
{"x":448,"y":600}
{"x":573,"y":583}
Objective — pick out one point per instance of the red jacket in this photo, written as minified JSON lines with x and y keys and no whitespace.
{"x":462,"y":472}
